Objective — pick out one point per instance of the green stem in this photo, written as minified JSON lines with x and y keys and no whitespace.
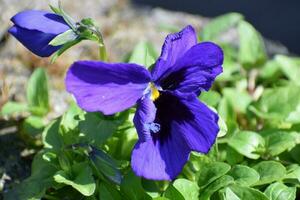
{"x":217,"y":149}
{"x":102,"y":52}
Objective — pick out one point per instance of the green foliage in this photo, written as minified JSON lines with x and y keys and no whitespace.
{"x":220,"y":24}
{"x":63,"y":38}
{"x":244,"y":175}
{"x":247,"y":143}
{"x":255,"y":157}
{"x":143,"y":54}
{"x":278,"y":191}
{"x":269,"y":171}
{"x":252,"y":52}
{"x":182,"y":189}
{"x":37,"y":92}
{"x":11,"y":108}
{"x":79,"y":177}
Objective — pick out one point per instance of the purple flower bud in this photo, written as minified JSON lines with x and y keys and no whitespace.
{"x":36,"y":28}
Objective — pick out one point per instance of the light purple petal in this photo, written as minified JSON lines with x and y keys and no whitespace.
{"x":185,"y":124}
{"x":40,"y":21}
{"x":144,"y":117}
{"x":196,"y":70}
{"x":175,"y":46}
{"x":160,"y":159}
{"x":109,"y":88}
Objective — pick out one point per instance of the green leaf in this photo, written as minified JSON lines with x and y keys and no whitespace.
{"x":105,"y":165}
{"x":40,"y":180}
{"x":211,"y":98}
{"x":277,"y":104}
{"x":212,"y":171}
{"x":70,"y":118}
{"x":37,"y":92}
{"x":132,"y":188}
{"x":247,"y":143}
{"x":215,"y":186}
{"x":33,"y":125}
{"x":244,"y":175}
{"x":228,"y":194}
{"x":241,"y":105}
{"x":108,"y":192}
{"x":278,"y":142}
{"x":13,"y":108}
{"x":54,"y":9}
{"x":51,"y":137}
{"x":252,"y":50}
{"x":293,"y":173}
{"x":152,"y":188}
{"x":64,"y":48}
{"x":279,"y":191}
{"x":97,"y":128}
{"x":186,"y":188}
{"x":143,"y":54}
{"x":244,"y":193}
{"x":226,"y":110}
{"x":270,"y":71}
{"x":71,"y":22}
{"x":63,"y":38}
{"x":232,"y":156}
{"x":231,"y":68}
{"x":290,"y":67}
{"x":126,"y":142}
{"x":173,"y":193}
{"x":219,"y":25}
{"x":82,"y":179}
{"x":269,"y":172}
{"x":223,"y":127}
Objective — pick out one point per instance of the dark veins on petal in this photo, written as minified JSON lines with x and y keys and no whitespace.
{"x":169,"y":109}
{"x":176,"y":80}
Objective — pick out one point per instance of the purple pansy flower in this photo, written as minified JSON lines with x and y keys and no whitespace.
{"x":36,"y":28}
{"x":170,"y":120}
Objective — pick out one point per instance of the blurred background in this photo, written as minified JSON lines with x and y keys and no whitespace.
{"x":276,"y":20}
{"x":124,"y":24}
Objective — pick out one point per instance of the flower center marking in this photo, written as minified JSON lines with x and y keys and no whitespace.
{"x":154,"y":92}
{"x":153,"y":127}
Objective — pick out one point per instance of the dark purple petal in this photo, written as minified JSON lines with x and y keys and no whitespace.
{"x":175,"y":46}
{"x":196,"y":70}
{"x":197,"y":124}
{"x":40,"y":21}
{"x":36,"y":41}
{"x":201,"y":130}
{"x":109,"y":88}
{"x":160,"y":160}
{"x":185,"y":124}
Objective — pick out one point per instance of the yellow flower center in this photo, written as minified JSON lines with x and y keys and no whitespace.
{"x":154,"y":92}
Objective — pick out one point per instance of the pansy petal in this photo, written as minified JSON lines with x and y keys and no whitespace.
{"x":35,"y":41}
{"x":185,"y":114}
{"x":175,"y":46}
{"x":199,"y":132}
{"x":160,"y":159}
{"x":196,"y":70}
{"x":109,"y":88}
{"x":144,"y":118}
{"x":40,"y":21}
{"x":186,"y":124}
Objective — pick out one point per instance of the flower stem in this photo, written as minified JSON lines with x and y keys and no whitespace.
{"x":102,"y":52}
